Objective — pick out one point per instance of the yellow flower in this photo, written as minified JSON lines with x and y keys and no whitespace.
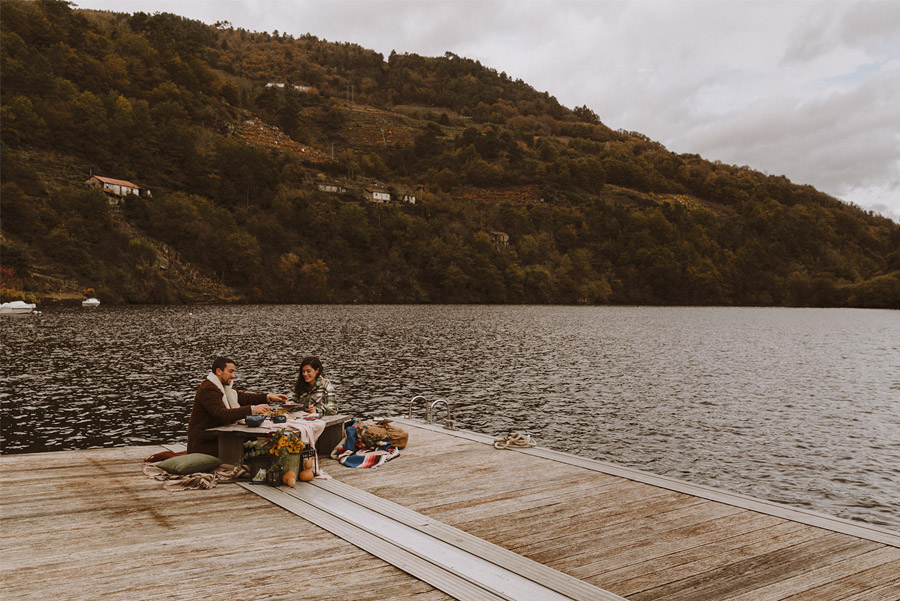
{"x":286,"y":443}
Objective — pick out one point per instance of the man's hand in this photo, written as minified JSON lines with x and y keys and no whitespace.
{"x":277,"y":397}
{"x":257,"y":409}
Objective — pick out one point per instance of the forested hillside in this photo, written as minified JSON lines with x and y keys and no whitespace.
{"x":259,"y":149}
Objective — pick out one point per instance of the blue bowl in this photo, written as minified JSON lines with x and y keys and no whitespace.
{"x":278,"y":419}
{"x":254,"y":421}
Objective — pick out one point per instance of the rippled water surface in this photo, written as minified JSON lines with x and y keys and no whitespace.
{"x":801,"y":406}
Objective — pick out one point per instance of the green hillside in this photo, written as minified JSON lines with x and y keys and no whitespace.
{"x":258,"y":150}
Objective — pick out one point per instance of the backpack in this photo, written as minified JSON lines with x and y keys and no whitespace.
{"x":395,"y":435}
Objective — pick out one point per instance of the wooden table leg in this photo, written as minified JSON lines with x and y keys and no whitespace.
{"x":330,"y":438}
{"x":231,"y":449}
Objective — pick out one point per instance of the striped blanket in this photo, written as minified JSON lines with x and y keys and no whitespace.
{"x":350,"y":454}
{"x":367,"y":457}
{"x":224,"y":474}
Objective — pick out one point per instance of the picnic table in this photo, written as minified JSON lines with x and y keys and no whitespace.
{"x":233,"y":436}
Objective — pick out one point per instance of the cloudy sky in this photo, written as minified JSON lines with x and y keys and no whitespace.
{"x":803,"y":88}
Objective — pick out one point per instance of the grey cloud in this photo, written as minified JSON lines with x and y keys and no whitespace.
{"x":872,"y":25}
{"x":846,"y":141}
{"x":813,"y":36}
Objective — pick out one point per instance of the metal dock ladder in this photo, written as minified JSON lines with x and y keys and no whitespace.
{"x":429,"y":410}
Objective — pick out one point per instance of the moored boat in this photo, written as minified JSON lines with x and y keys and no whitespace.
{"x":91,"y":302}
{"x":18,"y":308}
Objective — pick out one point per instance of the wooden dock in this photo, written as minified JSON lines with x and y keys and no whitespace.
{"x":89,"y":525}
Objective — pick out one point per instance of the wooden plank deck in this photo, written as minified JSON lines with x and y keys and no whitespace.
{"x":89,"y":525}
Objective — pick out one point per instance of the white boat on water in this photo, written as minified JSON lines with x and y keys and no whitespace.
{"x":18,"y":308}
{"x":91,"y":302}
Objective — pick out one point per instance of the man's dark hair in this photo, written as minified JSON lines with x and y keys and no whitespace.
{"x":220,"y":363}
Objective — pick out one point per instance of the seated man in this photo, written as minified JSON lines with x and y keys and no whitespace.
{"x":216,"y":403}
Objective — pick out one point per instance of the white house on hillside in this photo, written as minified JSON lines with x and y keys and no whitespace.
{"x":117,"y":189}
{"x":332,"y":188}
{"x":304,"y":89}
{"x":378,"y":195}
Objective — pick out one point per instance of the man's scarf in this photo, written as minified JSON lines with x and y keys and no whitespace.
{"x":229,"y":394}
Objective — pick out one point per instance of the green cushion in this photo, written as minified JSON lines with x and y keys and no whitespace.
{"x":190,"y":463}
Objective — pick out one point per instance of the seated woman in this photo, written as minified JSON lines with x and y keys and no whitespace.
{"x":312,"y":390}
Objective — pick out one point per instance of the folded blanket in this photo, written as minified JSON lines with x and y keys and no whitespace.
{"x":200,"y":481}
{"x":163,"y":455}
{"x":309,"y":430}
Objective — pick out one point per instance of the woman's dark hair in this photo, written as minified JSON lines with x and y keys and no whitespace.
{"x":301,"y":387}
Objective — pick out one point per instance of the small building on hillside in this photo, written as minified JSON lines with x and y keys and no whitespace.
{"x":500,"y":239}
{"x":116,"y":189}
{"x":406,"y":193}
{"x":376,"y":194}
{"x":332,"y":188}
{"x":282,"y":86}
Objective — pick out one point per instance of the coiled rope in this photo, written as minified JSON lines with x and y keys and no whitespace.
{"x":515,"y":440}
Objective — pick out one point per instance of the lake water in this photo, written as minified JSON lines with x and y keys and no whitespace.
{"x":800,"y":406}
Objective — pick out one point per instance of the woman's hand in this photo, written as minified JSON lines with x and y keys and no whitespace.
{"x":311,"y":409}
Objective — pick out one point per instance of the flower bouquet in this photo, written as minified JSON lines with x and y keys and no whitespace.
{"x":270,"y":457}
